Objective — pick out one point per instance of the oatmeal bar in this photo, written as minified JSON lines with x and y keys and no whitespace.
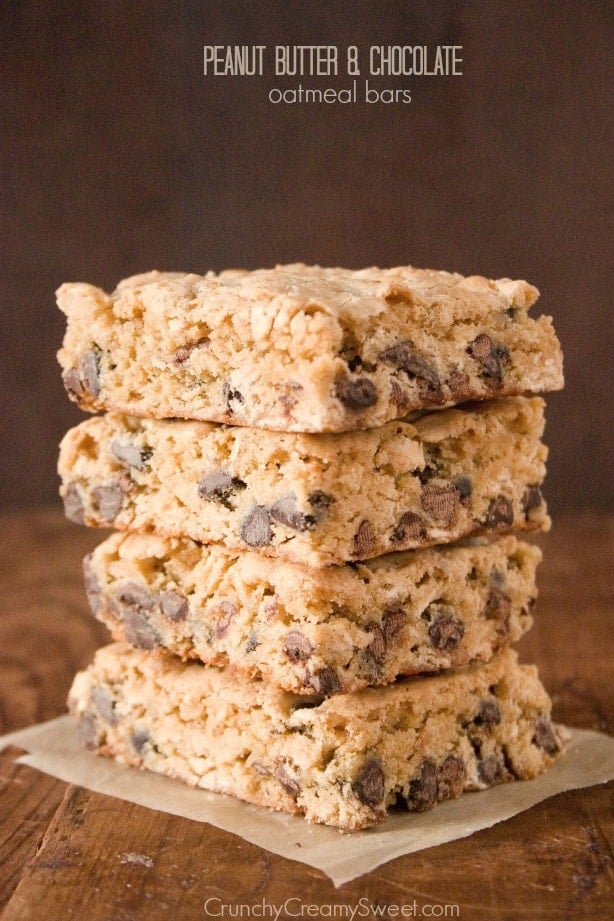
{"x":316,"y":499}
{"x":301,"y":348}
{"x":340,"y":760}
{"x":328,"y":630}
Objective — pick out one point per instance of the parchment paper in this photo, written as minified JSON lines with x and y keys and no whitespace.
{"x":53,"y":748}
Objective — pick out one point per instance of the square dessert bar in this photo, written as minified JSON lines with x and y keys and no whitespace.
{"x":301,"y":348}
{"x":341,"y":760}
{"x":315,"y":499}
{"x":312,"y":631}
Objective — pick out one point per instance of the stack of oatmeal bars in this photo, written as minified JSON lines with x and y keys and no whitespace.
{"x":316,"y":477}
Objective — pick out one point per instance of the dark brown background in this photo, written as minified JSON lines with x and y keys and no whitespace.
{"x":120,"y":156}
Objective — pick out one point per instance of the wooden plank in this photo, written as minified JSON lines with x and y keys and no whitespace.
{"x":105,"y":859}
{"x":46,"y":630}
{"x":571,"y":640}
{"x":29,"y":801}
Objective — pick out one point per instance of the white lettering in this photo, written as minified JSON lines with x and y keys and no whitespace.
{"x":234,"y":60}
{"x":306,"y":60}
{"x":415,"y":61}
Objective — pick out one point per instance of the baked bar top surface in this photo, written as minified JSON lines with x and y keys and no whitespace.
{"x":352,"y":295}
{"x":303,"y":348}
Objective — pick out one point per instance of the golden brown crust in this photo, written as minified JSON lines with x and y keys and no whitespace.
{"x":301,"y":348}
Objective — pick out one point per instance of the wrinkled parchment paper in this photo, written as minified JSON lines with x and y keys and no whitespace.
{"x":53,"y":748}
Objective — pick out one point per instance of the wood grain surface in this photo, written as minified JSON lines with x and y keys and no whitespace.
{"x":68,"y":853}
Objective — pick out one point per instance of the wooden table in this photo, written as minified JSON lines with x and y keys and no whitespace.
{"x":69,"y":853}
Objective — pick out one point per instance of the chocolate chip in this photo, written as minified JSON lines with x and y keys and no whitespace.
{"x":450,"y":777}
{"x":252,"y":642}
{"x":440,"y":502}
{"x":490,"y":356}
{"x":256,"y":527}
{"x":458,"y":382}
{"x":463,"y":486}
{"x":355,"y":392}
{"x":377,"y":646}
{"x":492,"y":770}
{"x":88,"y":733}
{"x":138,"y":630}
{"x":370,"y":786}
{"x":410,"y":527}
{"x":73,"y":383}
{"x":354,"y":363}
{"x":84,"y":380}
{"x":446,"y":631}
{"x":288,"y":783}
{"x":399,"y":395}
{"x":488,"y":714}
{"x":297,"y":647}
{"x":229,"y":610}
{"x":320,"y":503}
{"x":230,"y":395}
{"x":132,"y":602}
{"x":133,"y":594}
{"x":531,"y":499}
{"x":108,"y":500}
{"x":219,"y":486}
{"x":139,"y":739}
{"x":105,"y":705}
{"x":324,"y":682}
{"x":285,"y":512}
{"x":392,"y":621}
{"x":73,"y":506}
{"x":498,"y":605}
{"x":500,"y":512}
{"x":545,"y":737}
{"x":319,"y":500}
{"x":131,"y":455}
{"x":174,"y":605}
{"x":404,"y":356}
{"x":364,"y":539}
{"x":481,"y":348}
{"x":422,"y":793}
{"x":90,"y":369}
{"x":92,"y":586}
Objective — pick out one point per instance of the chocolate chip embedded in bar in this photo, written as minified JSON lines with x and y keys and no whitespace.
{"x":416,"y":742}
{"x":314,"y":499}
{"x":301,"y":348}
{"x":82,"y":381}
{"x":315,"y":631}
